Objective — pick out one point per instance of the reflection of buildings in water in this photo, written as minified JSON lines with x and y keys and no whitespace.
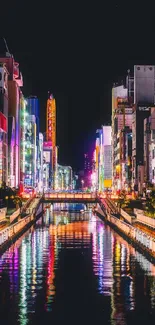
{"x":117,"y":313}
{"x":70,"y":207}
{"x":146,"y":265}
{"x":74,"y":234}
{"x":34,"y":275}
{"x":102,"y":258}
{"x":18,"y":242}
{"x":31,"y":267}
{"x":152,"y":292}
{"x":10,"y":261}
{"x":115,"y":264}
{"x":65,"y":217}
{"x":127,"y":257}
{"x":108,"y":280}
{"x":148,"y":281}
{"x":112,"y":265}
{"x":71,"y":228}
{"x":69,"y":235}
{"x":59,"y":216}
{"x":53,"y":252}
{"x":22,"y":288}
{"x":92,"y":227}
{"x":123,"y":294}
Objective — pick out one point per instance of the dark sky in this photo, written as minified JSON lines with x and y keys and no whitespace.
{"x":77,"y":49}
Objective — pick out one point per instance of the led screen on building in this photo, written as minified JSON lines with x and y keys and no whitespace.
{"x":47,"y":156}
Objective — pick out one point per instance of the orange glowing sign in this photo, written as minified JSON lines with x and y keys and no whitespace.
{"x":51,"y":121}
{"x":51,"y":127}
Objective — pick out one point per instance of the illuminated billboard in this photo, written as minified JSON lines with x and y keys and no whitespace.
{"x":47,"y":149}
{"x":46,"y":156}
{"x":3,"y":123}
{"x":51,"y":121}
{"x":47,"y":145}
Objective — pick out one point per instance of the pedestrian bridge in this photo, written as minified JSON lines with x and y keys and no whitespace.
{"x":69,"y":197}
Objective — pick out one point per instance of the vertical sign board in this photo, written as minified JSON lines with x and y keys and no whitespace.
{"x":51,"y":127}
{"x":49,"y":121}
{"x":53,"y":134}
{"x":53,"y":122}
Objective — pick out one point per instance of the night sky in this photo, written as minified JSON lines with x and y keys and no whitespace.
{"x":76,"y":50}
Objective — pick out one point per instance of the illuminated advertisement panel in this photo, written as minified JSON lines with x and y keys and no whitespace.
{"x":47,"y":148}
{"x":47,"y":145}
{"x":51,"y":120}
{"x":46,"y":156}
{"x":51,"y":127}
{"x":3,"y":122}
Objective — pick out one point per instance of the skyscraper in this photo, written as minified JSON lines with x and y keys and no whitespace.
{"x":121,"y":121}
{"x":144,"y":99}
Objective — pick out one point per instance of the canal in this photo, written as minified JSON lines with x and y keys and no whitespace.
{"x":71,"y":268}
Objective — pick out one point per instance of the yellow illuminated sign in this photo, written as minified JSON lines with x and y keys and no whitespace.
{"x":107,"y":183}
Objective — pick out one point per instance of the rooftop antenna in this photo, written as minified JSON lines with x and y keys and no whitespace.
{"x":6,"y":45}
{"x":6,"y":51}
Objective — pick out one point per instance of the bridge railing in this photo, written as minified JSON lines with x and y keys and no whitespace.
{"x":69,"y":196}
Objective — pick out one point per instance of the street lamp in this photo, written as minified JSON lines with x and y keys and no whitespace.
{"x":6,"y":198}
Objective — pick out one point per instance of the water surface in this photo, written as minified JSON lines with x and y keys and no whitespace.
{"x":71,"y":268}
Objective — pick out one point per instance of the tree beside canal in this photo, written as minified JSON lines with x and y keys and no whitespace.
{"x":150,"y":204}
{"x":8,"y":197}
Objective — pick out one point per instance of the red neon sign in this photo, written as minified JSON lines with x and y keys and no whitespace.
{"x":3,"y":122}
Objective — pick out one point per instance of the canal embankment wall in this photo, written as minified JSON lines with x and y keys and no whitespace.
{"x":11,"y":233}
{"x":138,"y":238}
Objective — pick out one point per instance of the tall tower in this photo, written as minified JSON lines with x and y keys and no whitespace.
{"x":51,"y":134}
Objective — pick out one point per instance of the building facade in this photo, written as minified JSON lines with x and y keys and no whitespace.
{"x":40,"y":164}
{"x":3,"y":124}
{"x":149,"y":149}
{"x":144,"y":96}
{"x":15,"y":82}
{"x":65,"y":178}
{"x":47,"y":165}
{"x":103,"y":160}
{"x":132,"y":130}
{"x":121,"y":126}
